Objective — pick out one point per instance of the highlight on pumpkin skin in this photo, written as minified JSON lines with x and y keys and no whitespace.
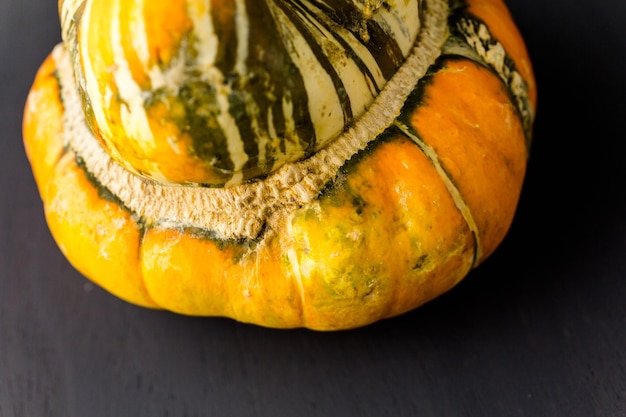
{"x":43,"y":125}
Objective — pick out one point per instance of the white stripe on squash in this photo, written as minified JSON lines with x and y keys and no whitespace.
{"x":133,"y":113}
{"x":323,"y":102}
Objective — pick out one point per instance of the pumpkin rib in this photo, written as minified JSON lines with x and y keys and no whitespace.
{"x":96,"y":235}
{"x":452,"y":188}
{"x":479,"y":138}
{"x":107,"y":197}
{"x":298,"y":282}
{"x":143,"y":229}
{"x":416,"y":100}
{"x":458,"y":49}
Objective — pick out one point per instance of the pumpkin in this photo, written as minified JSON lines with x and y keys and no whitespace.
{"x":288,"y":164}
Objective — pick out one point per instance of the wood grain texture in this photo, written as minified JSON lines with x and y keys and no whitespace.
{"x":538,"y":330}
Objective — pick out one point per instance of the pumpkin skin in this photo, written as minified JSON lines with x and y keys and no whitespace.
{"x":400,"y":222}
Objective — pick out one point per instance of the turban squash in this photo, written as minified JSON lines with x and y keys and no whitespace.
{"x":288,"y":163}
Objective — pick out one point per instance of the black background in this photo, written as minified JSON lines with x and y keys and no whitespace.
{"x":538,"y":330}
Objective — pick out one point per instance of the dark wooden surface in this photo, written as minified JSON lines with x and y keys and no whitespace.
{"x":538,"y":330}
